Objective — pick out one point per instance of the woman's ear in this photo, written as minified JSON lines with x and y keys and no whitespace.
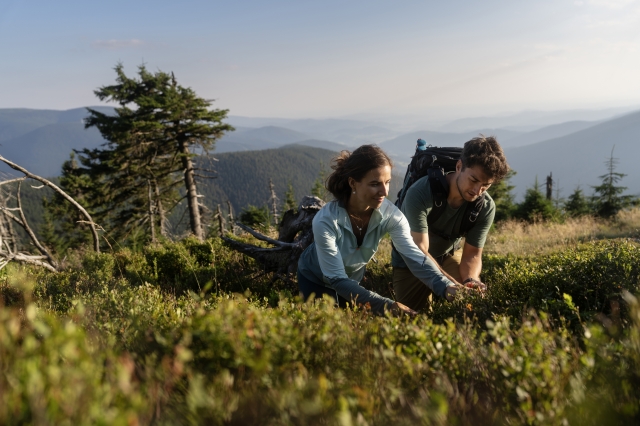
{"x":352,"y":183}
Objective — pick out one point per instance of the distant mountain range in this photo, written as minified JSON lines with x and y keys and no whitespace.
{"x":572,"y":145}
{"x":532,"y":120}
{"x":41,"y":140}
{"x":402,"y":147}
{"x":577,"y":159}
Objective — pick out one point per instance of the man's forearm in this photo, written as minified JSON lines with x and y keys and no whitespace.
{"x":471,"y":268}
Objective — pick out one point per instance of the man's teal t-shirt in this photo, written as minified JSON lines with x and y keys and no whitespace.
{"x":416,"y":207}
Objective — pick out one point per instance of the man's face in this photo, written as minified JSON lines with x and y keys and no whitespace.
{"x":472,"y":182}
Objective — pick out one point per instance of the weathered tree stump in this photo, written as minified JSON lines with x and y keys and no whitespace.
{"x":294,"y":235}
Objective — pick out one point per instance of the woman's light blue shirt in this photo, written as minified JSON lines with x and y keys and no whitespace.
{"x":335,"y":260}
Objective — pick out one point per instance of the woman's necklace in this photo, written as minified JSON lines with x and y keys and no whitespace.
{"x":360,"y":225}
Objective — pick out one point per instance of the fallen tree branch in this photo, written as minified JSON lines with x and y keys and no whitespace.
{"x":31,"y":234}
{"x":265,"y":238}
{"x":294,"y":235}
{"x":20,"y":257}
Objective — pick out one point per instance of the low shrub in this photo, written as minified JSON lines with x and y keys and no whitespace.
{"x":572,"y":286}
{"x":138,"y":355}
{"x":159,"y":337}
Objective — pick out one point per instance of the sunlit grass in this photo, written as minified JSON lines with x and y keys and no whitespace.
{"x":524,"y":239}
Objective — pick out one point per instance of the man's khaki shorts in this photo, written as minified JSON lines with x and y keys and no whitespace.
{"x":414,"y":293}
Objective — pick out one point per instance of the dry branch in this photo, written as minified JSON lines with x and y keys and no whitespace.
{"x":294,"y":235}
{"x":30,"y":232}
{"x":96,"y":239}
{"x":264,"y":238}
{"x":5,"y":182}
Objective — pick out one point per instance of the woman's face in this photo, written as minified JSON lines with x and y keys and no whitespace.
{"x":372,"y":189}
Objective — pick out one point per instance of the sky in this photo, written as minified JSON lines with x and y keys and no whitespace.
{"x":330,"y":58}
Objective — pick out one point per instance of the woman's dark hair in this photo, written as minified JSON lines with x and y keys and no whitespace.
{"x":354,"y":165}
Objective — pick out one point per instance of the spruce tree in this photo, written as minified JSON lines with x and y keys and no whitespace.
{"x":289,"y":199}
{"x":151,"y":142}
{"x":502,"y":195}
{"x":607,"y":199}
{"x":255,"y":216}
{"x":577,"y":204}
{"x":535,"y":206}
{"x":318,"y":189}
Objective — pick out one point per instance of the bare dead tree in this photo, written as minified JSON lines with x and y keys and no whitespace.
{"x":159,"y":210}
{"x":549,"y":187}
{"x":9,"y":252}
{"x":10,"y":215}
{"x":221,"y":224}
{"x":274,"y":203}
{"x":294,"y":235}
{"x":7,"y":231}
{"x":232,"y":227}
{"x":151,"y":214}
{"x":92,"y":225}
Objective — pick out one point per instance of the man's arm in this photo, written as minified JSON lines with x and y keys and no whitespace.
{"x":422,"y":241}
{"x":471,"y":263}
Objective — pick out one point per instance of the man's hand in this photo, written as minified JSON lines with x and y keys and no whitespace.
{"x":399,"y":309}
{"x":474,"y":284}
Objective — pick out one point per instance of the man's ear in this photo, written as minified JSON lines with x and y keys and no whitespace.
{"x":459,"y":166}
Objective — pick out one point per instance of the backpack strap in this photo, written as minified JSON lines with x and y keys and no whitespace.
{"x":471,"y":215}
{"x":439,"y":194}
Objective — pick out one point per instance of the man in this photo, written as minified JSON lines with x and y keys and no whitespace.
{"x":481,"y":164}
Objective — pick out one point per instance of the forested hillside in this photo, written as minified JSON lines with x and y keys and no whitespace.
{"x":243,"y":177}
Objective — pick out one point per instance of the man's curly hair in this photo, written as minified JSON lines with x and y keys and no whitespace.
{"x":487,"y":153}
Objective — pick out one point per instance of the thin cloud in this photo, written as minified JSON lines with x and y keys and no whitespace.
{"x":612,"y":4}
{"x":114,"y":44}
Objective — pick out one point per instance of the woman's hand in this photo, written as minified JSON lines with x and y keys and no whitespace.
{"x":452,"y":290}
{"x":398,"y":309}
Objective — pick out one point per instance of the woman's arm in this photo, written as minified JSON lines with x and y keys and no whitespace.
{"x":423,"y":267}
{"x":332,"y":268}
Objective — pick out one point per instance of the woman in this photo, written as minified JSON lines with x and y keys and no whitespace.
{"x":347,"y":232}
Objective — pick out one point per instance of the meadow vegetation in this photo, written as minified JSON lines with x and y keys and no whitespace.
{"x":192,"y":333}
